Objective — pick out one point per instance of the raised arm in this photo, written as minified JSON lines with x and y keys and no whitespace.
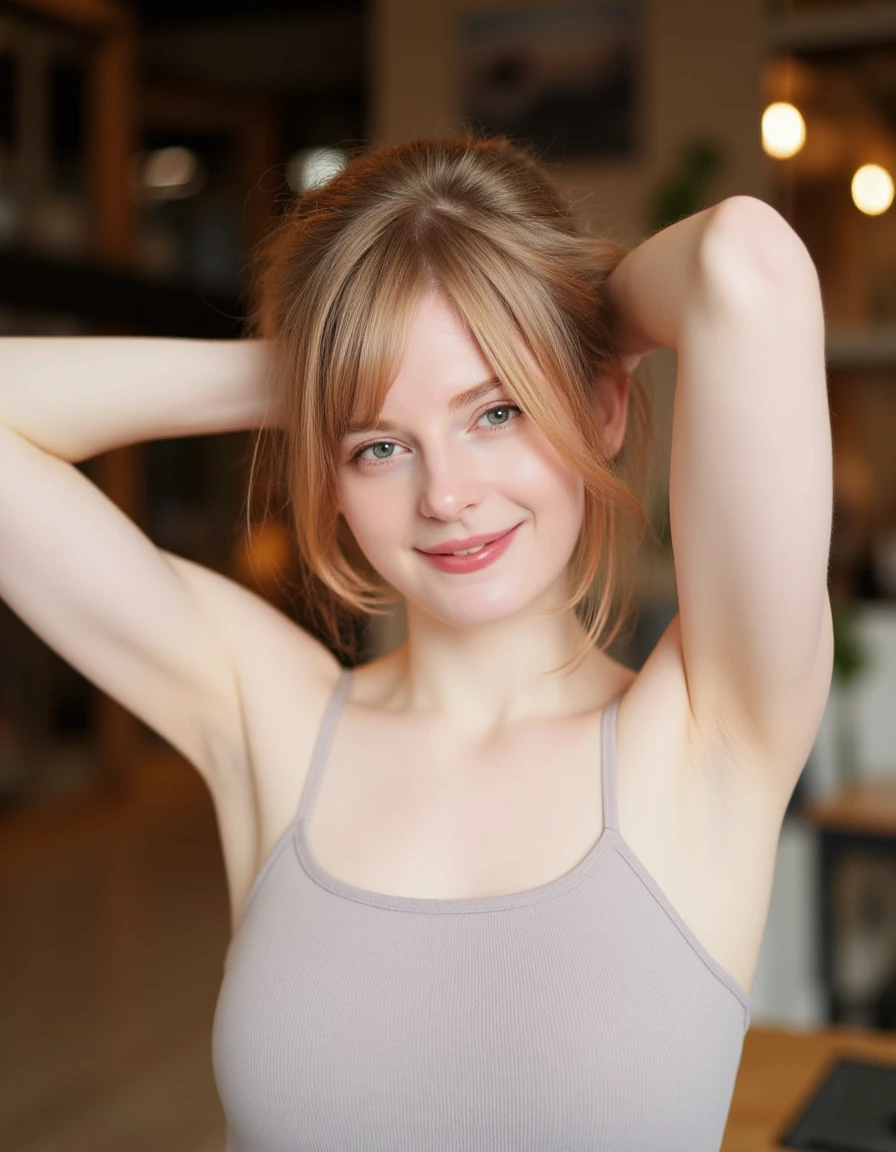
{"x":161,"y":635}
{"x":735,"y":292}
{"x":77,"y":397}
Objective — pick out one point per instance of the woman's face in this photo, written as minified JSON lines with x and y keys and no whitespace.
{"x":443,"y":471}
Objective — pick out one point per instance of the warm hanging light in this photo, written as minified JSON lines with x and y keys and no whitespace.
{"x":872,"y":189}
{"x":783,"y":130}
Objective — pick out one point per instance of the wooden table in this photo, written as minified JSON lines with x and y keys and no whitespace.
{"x":780,"y":1070}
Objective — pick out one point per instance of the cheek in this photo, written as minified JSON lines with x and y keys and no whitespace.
{"x":370,"y":517}
{"x":545,"y":472}
{"x":572,"y":500}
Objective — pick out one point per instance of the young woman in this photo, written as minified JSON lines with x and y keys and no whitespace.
{"x":493,"y":890}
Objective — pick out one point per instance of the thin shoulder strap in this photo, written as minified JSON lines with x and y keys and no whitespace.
{"x":322,"y":743}
{"x":608,"y":765}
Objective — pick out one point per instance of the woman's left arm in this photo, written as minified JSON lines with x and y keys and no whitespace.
{"x":734,"y":291}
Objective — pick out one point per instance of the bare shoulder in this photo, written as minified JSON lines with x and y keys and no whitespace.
{"x":282,"y":680}
{"x":282,"y":674}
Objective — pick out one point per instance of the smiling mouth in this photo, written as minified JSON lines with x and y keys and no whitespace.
{"x":474,"y":559}
{"x":467,"y":551}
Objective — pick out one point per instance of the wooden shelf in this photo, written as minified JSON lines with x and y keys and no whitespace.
{"x":868,"y":807}
{"x":856,"y":25}
{"x":874,"y":348}
{"x":114,"y":296}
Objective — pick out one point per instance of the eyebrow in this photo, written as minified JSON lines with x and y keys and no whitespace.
{"x":455,"y":404}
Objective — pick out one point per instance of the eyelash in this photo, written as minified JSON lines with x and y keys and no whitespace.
{"x":356,"y":457}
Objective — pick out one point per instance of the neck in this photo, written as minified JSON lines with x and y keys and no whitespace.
{"x":482,"y":678}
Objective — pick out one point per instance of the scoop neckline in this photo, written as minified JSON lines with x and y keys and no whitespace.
{"x":450,"y":904}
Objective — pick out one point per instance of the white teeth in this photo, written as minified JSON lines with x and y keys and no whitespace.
{"x":469,"y":551}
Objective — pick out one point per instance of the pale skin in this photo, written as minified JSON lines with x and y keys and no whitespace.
{"x":478,"y":650}
{"x":713,"y":731}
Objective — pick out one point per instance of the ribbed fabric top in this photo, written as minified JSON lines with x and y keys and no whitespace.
{"x":579,"y":1015}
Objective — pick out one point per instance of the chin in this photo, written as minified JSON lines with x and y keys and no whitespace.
{"x":481,"y":606}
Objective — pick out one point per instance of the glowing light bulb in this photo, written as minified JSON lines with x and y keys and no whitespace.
{"x":783,"y":130}
{"x":872,"y":189}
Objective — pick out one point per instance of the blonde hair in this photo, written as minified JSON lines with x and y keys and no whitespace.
{"x":336,"y":283}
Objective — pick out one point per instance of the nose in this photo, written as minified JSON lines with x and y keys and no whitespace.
{"x":451,"y":484}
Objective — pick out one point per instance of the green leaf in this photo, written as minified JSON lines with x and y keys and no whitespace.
{"x":851,"y":656}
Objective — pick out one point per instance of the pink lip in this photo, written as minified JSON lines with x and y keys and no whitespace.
{"x":476,"y":561}
{"x":462,"y":545}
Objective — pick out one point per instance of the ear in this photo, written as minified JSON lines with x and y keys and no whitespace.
{"x":609,"y":402}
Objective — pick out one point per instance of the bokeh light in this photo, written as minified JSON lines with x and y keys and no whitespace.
{"x":783,"y":130}
{"x":169,"y":173}
{"x":872,"y":189}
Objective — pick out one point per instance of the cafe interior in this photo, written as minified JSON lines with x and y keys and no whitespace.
{"x":146,"y":147}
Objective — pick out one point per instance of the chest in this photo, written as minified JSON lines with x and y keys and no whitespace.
{"x":402,"y":808}
{"x":414,"y":813}
{"x":450,"y":1030}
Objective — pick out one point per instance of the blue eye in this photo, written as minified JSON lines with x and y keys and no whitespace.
{"x":360,"y":456}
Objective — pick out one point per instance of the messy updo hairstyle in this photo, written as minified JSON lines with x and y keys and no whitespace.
{"x":337,"y":280}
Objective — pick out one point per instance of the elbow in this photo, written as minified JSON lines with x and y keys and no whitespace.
{"x":751,"y":248}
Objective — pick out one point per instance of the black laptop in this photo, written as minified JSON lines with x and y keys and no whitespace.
{"x":853,"y":1109}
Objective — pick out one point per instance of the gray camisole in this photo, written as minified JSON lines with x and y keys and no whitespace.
{"x":579,"y":1015}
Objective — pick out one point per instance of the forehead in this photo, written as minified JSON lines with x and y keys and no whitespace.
{"x":440,"y":354}
{"x":437,"y":364}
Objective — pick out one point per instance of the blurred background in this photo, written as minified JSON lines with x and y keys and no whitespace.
{"x":145,"y":147}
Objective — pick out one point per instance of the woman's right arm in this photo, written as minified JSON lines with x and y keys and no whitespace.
{"x":78,"y":397}
{"x":165,"y":637}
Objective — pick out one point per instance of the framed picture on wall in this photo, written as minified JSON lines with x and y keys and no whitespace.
{"x":566,"y":78}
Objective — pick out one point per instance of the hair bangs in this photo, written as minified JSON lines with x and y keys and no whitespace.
{"x":370,"y":333}
{"x":518,"y":325}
